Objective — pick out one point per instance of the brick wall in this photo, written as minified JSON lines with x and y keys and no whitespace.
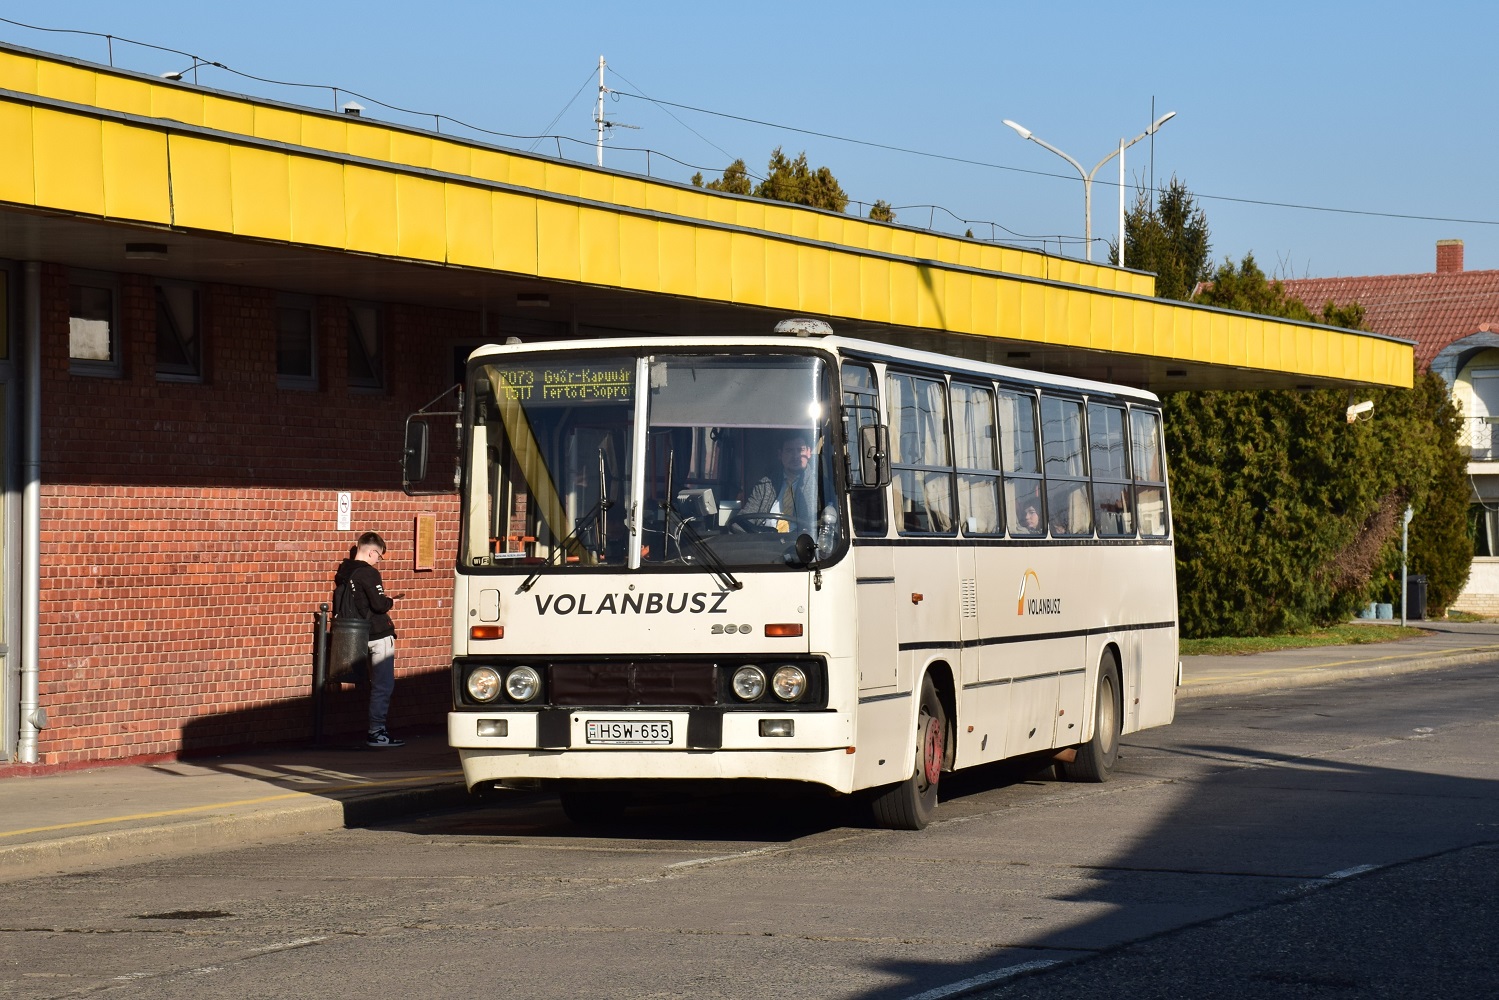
{"x":189,"y":530}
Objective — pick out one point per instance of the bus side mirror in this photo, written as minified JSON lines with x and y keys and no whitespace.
{"x":419,"y":447}
{"x":414,"y":456}
{"x":874,"y":455}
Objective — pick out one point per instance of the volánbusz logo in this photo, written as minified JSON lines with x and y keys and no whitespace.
{"x":646,"y":603}
{"x":1035,"y":605}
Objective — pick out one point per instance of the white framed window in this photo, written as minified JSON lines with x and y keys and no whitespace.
{"x":296,"y":342}
{"x":366,"y":346}
{"x":94,"y":324}
{"x":179,"y":340}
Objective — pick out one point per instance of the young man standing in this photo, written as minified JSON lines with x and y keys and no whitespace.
{"x":369,"y":601}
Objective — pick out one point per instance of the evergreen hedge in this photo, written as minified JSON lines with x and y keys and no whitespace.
{"x":1288,"y":517}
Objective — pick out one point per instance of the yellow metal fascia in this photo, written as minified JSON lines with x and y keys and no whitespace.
{"x":134,"y":167}
{"x":116,"y":90}
{"x":284,"y":193}
{"x":17,"y":171}
{"x":68,"y":161}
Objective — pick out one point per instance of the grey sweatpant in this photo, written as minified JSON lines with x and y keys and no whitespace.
{"x":382,"y":679}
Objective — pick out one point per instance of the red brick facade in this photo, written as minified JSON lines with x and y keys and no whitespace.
{"x":189,"y":530}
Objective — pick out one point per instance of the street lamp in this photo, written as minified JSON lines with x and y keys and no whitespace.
{"x":1087,"y":177}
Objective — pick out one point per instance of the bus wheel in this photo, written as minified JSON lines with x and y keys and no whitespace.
{"x":910,"y":804}
{"x":593,"y":803}
{"x":1095,"y":758}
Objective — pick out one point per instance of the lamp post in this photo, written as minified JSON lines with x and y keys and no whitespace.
{"x":1088,"y":176}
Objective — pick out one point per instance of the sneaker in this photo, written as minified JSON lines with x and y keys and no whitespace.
{"x":380,"y":738}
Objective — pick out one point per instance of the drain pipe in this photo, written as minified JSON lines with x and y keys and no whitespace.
{"x":33,"y":715}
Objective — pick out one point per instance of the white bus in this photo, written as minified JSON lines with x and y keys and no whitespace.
{"x":804,"y":558}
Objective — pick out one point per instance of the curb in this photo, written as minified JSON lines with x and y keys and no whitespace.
{"x":226,"y":830}
{"x":1290,"y":677}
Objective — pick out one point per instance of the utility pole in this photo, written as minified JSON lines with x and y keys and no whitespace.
{"x":1405,"y":525}
{"x":599,"y":115}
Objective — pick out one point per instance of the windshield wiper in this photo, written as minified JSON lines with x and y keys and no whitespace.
{"x":596,"y":514}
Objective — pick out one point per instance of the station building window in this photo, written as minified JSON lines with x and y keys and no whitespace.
{"x":94,"y":324}
{"x":296,"y":342}
{"x":366,"y":347}
{"x":179,"y":341}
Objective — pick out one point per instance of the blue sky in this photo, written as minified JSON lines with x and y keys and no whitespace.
{"x":1367,"y":108}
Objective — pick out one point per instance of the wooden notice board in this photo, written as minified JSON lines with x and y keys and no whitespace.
{"x":425,"y":551}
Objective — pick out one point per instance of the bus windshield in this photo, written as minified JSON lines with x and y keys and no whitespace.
{"x":733,"y":463}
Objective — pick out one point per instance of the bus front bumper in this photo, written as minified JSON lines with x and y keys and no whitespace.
{"x":632,"y":743}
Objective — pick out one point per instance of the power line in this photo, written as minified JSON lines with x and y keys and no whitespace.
{"x":570,"y":101}
{"x":1045,"y":173}
{"x":674,"y":118}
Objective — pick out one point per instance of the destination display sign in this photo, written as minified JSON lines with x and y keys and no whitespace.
{"x":566,"y":384}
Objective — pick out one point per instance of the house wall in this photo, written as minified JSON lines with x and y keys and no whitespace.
{"x":1480,"y":595}
{"x":189,"y":530}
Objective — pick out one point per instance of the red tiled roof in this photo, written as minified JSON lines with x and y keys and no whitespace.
{"x":1432,"y":309}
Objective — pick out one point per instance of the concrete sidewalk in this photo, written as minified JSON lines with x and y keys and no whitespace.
{"x":77,"y":820}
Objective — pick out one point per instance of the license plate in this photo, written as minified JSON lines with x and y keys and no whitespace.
{"x":628,"y":732}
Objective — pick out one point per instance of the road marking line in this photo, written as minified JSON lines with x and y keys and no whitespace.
{"x":287,"y":945}
{"x":987,"y":979}
{"x":1350,"y":872}
{"x":695,"y":862}
{"x":229,"y":805}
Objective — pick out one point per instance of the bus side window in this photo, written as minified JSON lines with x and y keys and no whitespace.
{"x":1149,"y":471}
{"x":861,"y":408}
{"x":1113,"y":500}
{"x":1020,"y":459}
{"x":977,"y":462}
{"x":920,"y":456}
{"x":1062,"y":449}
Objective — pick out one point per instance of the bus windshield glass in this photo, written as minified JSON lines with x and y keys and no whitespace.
{"x":735,"y":462}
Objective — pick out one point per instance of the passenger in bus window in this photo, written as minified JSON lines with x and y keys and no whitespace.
{"x":1023,"y":507}
{"x":1069,"y":509}
{"x":1030,"y":519}
{"x":791,"y":494}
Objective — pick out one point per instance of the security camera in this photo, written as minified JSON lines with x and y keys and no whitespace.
{"x":1360,"y":409}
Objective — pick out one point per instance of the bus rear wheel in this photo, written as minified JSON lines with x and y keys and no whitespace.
{"x":1095,"y":758}
{"x":910,"y":804}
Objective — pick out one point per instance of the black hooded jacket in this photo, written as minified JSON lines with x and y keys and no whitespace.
{"x":359,"y":593}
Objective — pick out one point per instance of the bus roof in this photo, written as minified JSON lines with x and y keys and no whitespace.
{"x":842,"y":346}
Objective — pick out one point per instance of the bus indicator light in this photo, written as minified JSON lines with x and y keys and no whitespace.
{"x":486,"y":632}
{"x":784,"y":630}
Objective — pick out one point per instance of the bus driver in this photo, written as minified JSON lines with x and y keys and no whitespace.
{"x":792,"y":493}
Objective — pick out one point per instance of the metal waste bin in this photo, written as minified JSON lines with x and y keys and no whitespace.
{"x":349,"y":649}
{"x":1415,"y":596}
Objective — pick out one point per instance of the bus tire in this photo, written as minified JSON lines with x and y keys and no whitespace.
{"x":909,"y":805}
{"x":1095,"y":758}
{"x":592,"y":803}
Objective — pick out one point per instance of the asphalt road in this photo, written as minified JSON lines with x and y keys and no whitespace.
{"x":1319,"y":842}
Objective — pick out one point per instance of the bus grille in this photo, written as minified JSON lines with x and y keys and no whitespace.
{"x":603,"y":685}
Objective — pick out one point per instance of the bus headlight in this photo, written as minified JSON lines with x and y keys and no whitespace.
{"x":749,"y":682}
{"x":789,"y":683}
{"x":483,"y":684}
{"x":523,"y":683}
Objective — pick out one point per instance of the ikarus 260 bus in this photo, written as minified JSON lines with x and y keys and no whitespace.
{"x":800,"y":557}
